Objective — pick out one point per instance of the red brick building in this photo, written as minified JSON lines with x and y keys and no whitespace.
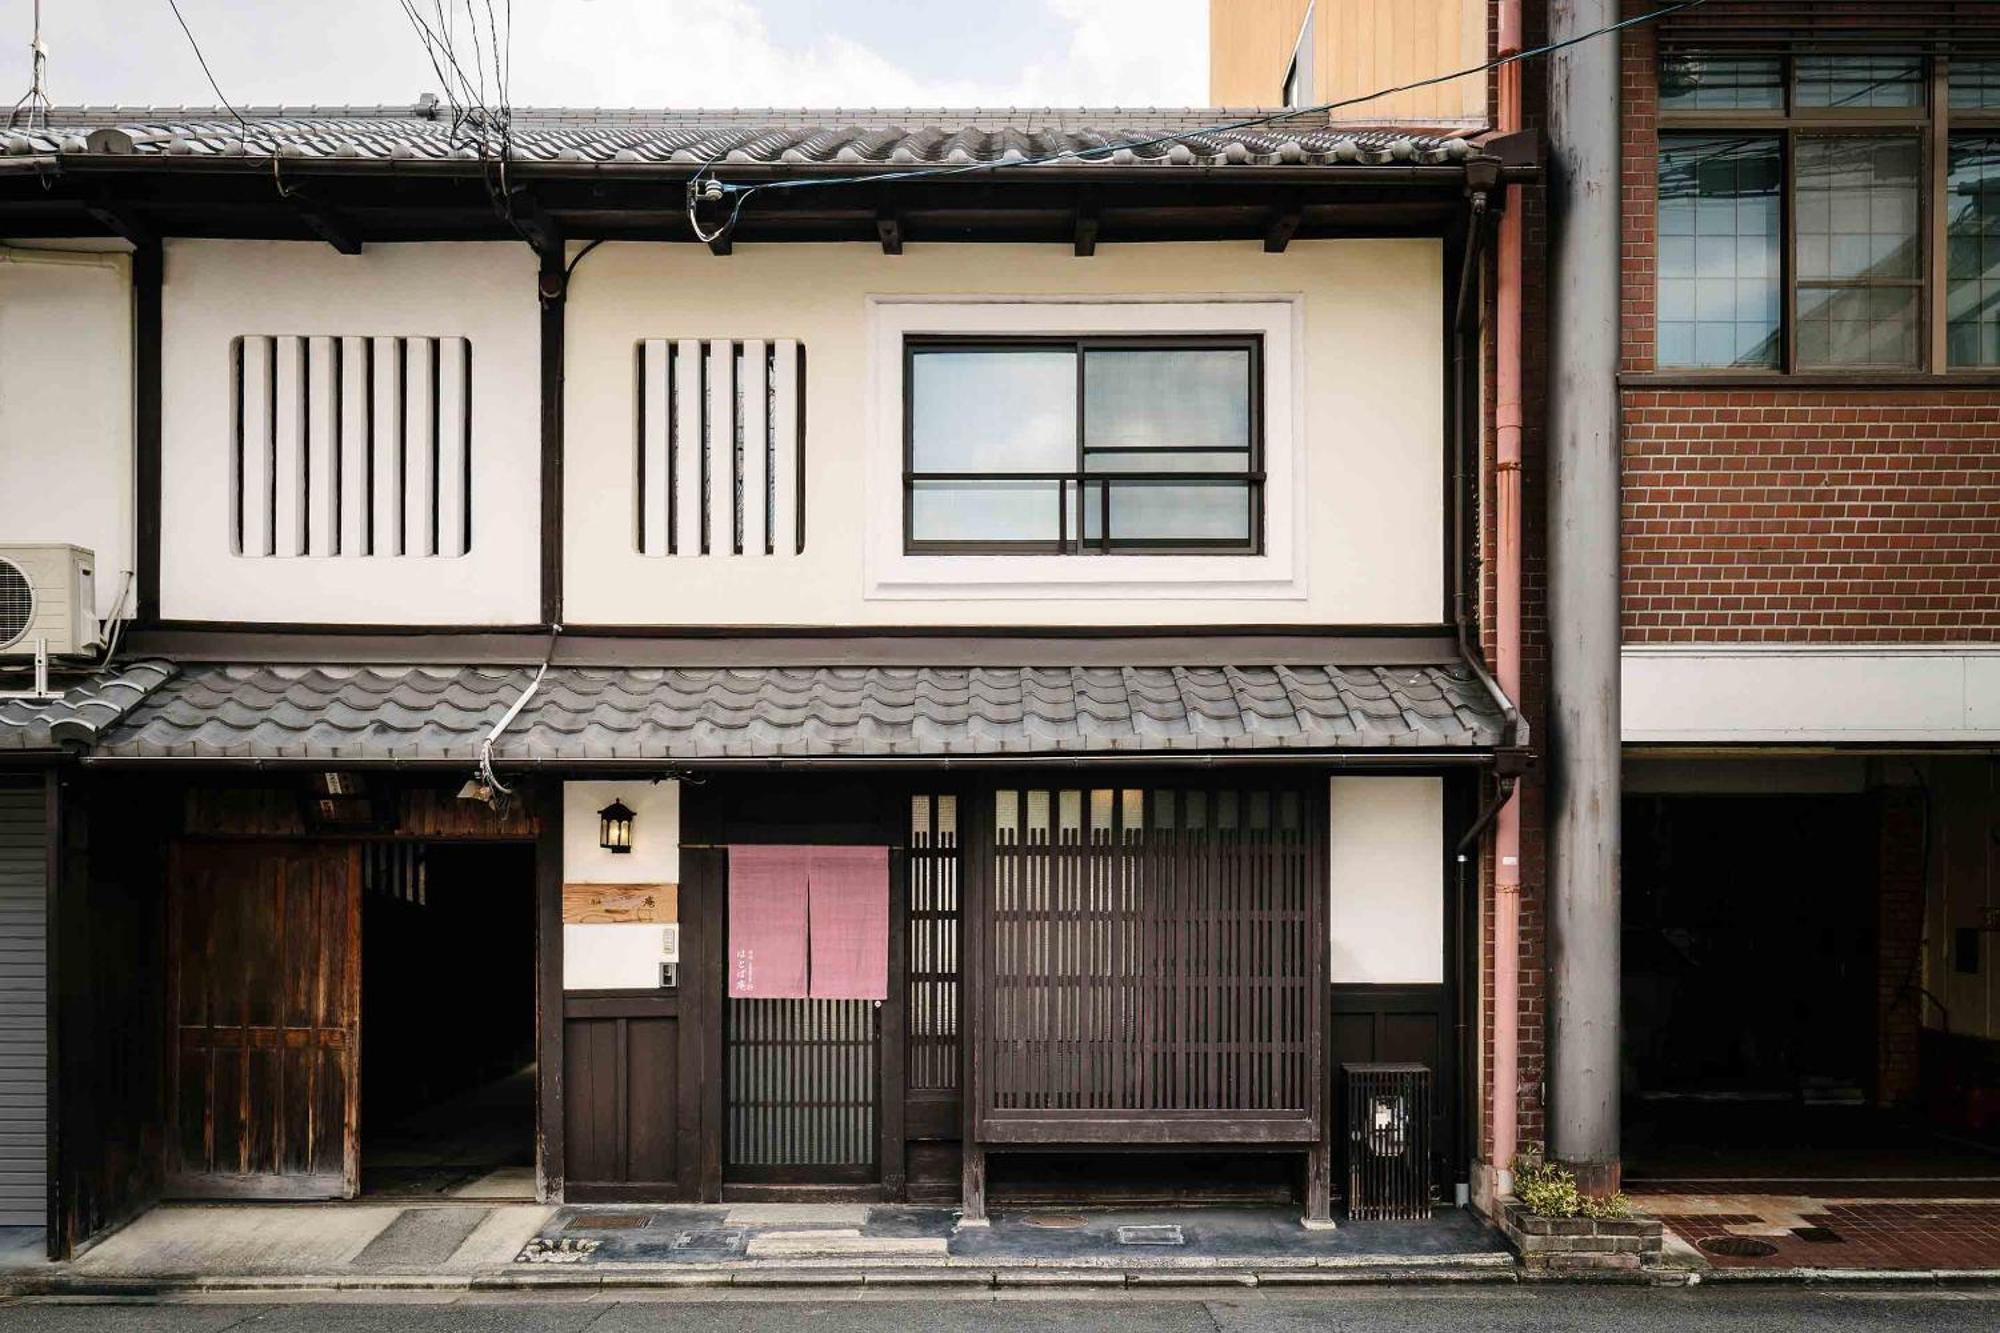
{"x":1810,"y":395}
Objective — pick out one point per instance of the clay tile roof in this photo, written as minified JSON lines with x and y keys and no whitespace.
{"x":405,"y":714}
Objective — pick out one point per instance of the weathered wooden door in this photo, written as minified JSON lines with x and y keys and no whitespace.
{"x":264,"y":993}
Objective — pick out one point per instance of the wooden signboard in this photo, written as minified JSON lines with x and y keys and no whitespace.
{"x":620,"y":904}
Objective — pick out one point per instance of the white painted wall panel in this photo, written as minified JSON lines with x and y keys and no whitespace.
{"x":655,"y":857}
{"x":1802,"y":694}
{"x":219,"y":290}
{"x":1386,"y":906}
{"x":1365,"y":385}
{"x":66,"y":411}
{"x":613,"y":957}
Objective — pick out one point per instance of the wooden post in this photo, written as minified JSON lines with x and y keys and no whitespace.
{"x":1319,"y":1187}
{"x":891,"y":1032}
{"x":552,"y":281}
{"x":549,"y":1169}
{"x":148,"y":274}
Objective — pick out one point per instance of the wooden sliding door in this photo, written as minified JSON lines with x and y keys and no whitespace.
{"x":264,"y":999}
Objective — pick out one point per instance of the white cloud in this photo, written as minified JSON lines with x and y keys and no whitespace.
{"x":606,"y":53}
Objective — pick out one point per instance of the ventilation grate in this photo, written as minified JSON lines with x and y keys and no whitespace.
{"x":349,"y":446}
{"x":17,"y":603}
{"x":720,"y":463}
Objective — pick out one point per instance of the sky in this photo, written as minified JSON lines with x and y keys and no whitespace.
{"x":656,"y":53}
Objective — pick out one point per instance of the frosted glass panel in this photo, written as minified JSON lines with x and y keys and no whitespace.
{"x":1169,"y":399}
{"x":993,"y":411}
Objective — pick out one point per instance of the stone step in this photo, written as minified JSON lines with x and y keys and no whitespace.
{"x":841,"y":1244}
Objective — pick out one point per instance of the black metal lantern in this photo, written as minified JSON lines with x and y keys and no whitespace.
{"x":614,"y":827}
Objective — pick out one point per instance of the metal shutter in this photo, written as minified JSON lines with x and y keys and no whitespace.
{"x":24,"y":1006}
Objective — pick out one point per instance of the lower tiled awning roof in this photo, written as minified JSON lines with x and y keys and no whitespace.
{"x":342,"y":714}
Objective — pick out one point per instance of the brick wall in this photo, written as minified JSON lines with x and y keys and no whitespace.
{"x":1863,"y":514}
{"x":1820,"y":516}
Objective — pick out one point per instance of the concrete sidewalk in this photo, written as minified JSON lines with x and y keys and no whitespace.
{"x":454,"y":1245}
{"x":466,"y":1245}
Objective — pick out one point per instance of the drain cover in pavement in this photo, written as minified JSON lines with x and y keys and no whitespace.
{"x":1738,"y":1247}
{"x":1053,"y":1221}
{"x":607,"y":1221}
{"x":1151,"y":1235}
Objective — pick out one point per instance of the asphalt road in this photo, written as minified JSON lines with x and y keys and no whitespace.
{"x":1487,"y":1310}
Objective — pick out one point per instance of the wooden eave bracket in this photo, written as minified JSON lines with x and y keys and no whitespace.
{"x":1086,"y":226}
{"x":120,"y":219}
{"x":889,"y":228}
{"x":326,"y":223}
{"x":1284,"y":225}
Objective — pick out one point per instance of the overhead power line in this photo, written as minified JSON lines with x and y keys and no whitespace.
{"x":714,"y":190}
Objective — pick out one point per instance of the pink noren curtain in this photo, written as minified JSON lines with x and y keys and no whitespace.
{"x":767,"y":922}
{"x":849,"y":901}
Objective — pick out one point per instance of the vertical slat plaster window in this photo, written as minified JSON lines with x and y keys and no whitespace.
{"x":720,"y":447}
{"x":350,"y":446}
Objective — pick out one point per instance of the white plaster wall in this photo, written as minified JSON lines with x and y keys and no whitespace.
{"x":1799,"y":694}
{"x":1368,"y":371}
{"x":218,"y":290}
{"x":655,"y":857}
{"x":66,"y":411}
{"x":1386,"y":908}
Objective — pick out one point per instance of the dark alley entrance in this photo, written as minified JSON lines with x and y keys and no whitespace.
{"x":448,"y":1020}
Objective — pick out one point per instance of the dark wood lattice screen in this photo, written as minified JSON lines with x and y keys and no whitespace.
{"x":931,"y":975}
{"x":802,"y":1080}
{"x":1150,"y":961}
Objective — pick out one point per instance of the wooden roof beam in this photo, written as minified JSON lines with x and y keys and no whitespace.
{"x":326,"y":223}
{"x":120,"y":220}
{"x":889,"y":228}
{"x":1085,"y":238}
{"x":1284,"y":225}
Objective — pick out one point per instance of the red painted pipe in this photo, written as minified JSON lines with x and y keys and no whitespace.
{"x":1507,"y":623}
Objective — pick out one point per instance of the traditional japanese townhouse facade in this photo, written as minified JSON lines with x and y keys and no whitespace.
{"x":950,"y":687}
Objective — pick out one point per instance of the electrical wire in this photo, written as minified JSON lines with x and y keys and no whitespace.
{"x":203,"y":61}
{"x":713,"y":189}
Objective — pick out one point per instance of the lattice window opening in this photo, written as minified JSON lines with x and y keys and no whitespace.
{"x":1156,"y":956}
{"x":719,"y":467}
{"x":932,"y":958}
{"x":349,"y":445}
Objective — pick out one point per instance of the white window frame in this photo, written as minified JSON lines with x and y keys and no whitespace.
{"x":1279,"y":572}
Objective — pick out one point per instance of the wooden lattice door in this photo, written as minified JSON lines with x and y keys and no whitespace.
{"x":1151,"y":966}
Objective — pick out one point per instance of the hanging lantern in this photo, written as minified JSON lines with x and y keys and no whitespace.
{"x":614,"y":827}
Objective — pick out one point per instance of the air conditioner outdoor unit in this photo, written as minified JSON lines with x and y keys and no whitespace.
{"x":48,"y":604}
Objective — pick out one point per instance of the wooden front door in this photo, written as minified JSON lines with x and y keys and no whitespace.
{"x":264,"y":993}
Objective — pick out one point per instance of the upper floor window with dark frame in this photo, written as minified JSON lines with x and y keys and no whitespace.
{"x":1083,"y":446}
{"x":1828,"y":213}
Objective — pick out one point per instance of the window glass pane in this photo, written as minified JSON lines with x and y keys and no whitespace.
{"x":993,"y":410}
{"x":1975,"y":84}
{"x":986,"y":511}
{"x":1857,"y":208}
{"x":1719,"y":291}
{"x":1166,"y":512}
{"x":1179,"y":460}
{"x":1857,"y":326}
{"x":1728,"y":83}
{"x":1834,"y":82}
{"x":1171,"y":398}
{"x":1972,"y":239}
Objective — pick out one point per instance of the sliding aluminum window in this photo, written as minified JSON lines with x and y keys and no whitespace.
{"x":1083,"y":446}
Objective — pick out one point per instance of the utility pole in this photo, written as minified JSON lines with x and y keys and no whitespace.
{"x":1583,"y":737}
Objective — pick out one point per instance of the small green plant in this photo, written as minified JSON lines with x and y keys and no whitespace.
{"x":1613,"y":1207}
{"x":1548,"y":1190}
{"x":1545,"y":1189}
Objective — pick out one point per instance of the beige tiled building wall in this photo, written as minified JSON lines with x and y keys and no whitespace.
{"x":1357,"y":46}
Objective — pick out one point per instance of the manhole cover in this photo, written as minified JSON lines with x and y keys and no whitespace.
{"x":1819,"y":1235}
{"x":607,"y":1221}
{"x":1151,"y":1235}
{"x":1738,"y":1247}
{"x":1054,"y":1221}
